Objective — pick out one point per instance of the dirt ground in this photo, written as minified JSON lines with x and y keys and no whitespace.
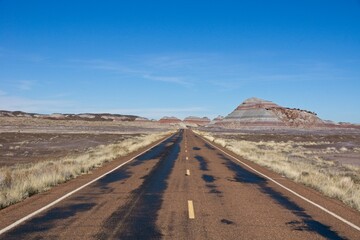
{"x":30,"y":125}
{"x":19,"y":148}
{"x":25,"y":140}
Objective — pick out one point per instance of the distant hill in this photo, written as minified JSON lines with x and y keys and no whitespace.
{"x":256,"y":112}
{"x":188,"y":121}
{"x":197,"y":120}
{"x":81,"y":116}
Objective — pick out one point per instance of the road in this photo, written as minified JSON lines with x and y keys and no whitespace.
{"x":183,"y":188}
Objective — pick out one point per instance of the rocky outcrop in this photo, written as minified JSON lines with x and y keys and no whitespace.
{"x":169,"y":120}
{"x":197,"y":121}
{"x":216,"y":120}
{"x":297,"y":117}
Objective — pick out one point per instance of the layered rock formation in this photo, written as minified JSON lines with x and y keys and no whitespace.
{"x":218,"y":119}
{"x":169,"y":120}
{"x":196,"y":121}
{"x":255,"y":112}
{"x":82,"y":116}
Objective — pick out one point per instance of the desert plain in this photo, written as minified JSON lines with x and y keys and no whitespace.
{"x":284,"y":171}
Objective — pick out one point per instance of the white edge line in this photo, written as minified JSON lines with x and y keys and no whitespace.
{"x":288,"y":189}
{"x":76,"y":190}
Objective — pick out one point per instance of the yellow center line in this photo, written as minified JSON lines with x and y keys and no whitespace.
{"x":191,"y":209}
{"x":187,"y":172}
{"x":187,"y":158}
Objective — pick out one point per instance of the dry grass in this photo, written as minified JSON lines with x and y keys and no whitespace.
{"x":21,"y":181}
{"x":293,"y":160}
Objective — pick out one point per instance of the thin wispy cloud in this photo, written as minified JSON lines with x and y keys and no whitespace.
{"x":22,"y":56}
{"x":179,"y":61}
{"x":25,"y":85}
{"x":15,"y":103}
{"x":299,"y":71}
{"x":227,"y":73}
{"x":227,"y":85}
{"x":106,"y":65}
{"x":138,"y":71}
{"x":167,"y":79}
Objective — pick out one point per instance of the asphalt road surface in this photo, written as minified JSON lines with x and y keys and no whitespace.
{"x":183,"y":188}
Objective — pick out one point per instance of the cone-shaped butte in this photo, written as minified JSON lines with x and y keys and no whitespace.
{"x":262,"y":113}
{"x":255,"y":110}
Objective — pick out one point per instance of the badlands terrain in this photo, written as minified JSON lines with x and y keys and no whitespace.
{"x":262,"y":170}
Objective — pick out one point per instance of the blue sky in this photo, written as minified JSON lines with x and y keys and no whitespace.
{"x":156,"y":58}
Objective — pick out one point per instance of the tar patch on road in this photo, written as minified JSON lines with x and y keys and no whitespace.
{"x":137,"y":218}
{"x":45,"y":222}
{"x":208,"y":178}
{"x":227,"y":222}
{"x":213,"y":189}
{"x":209,"y":146}
{"x":296,"y":225}
{"x":203,"y":163}
{"x":124,"y":172}
{"x":116,"y":176}
{"x":244,"y":176}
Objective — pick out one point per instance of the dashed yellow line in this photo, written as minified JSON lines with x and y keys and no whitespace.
{"x":191,"y":209}
{"x":187,"y":172}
